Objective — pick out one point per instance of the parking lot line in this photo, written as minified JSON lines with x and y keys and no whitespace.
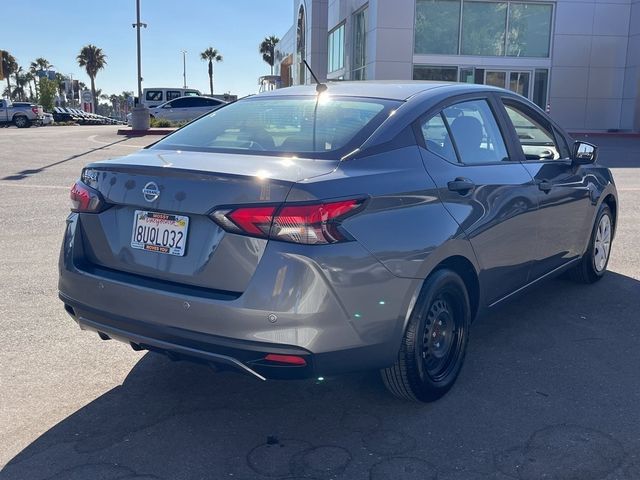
{"x":30,"y":185}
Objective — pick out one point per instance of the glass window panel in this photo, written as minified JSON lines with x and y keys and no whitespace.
{"x":483,"y":28}
{"x":359,"y":44}
{"x":496,"y":79}
{"x":529,"y":30}
{"x":437,"y":26}
{"x":442,"y":74}
{"x":540,"y":82}
{"x":535,"y":136}
{"x":519,"y":83}
{"x":467,"y":75}
{"x":475,"y":132}
{"x":336,"y":49}
{"x":437,"y":138}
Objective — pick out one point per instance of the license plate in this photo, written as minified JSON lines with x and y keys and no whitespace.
{"x":160,"y":232}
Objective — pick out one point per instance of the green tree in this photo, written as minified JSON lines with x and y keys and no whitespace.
{"x":21,"y":82}
{"x":211,"y":55}
{"x":12,"y":67}
{"x":268,"y":50}
{"x":93,"y":60}
{"x":48,"y":90}
{"x":38,"y":67}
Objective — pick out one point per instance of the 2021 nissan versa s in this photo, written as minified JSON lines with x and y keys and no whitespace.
{"x":296,"y":234}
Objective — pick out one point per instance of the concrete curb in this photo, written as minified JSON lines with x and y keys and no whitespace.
{"x":141,"y":133}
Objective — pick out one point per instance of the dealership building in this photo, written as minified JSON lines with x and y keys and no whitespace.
{"x":579,"y":59}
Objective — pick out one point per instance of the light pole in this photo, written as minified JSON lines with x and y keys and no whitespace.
{"x":184,"y":68}
{"x":140,"y":113}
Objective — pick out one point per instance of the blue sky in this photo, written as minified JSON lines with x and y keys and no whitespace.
{"x":57,"y":31}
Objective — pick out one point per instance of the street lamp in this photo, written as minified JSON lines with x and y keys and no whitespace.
{"x":140,"y":113}
{"x":184,"y":68}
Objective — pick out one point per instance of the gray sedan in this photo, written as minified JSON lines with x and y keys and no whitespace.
{"x":305,"y":233}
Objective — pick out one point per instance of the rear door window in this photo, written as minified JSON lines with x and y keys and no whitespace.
{"x":475,"y":132}
{"x":437,"y":138}
{"x":182,"y":102}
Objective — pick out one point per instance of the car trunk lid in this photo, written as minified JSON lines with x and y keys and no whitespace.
{"x":191,"y":185}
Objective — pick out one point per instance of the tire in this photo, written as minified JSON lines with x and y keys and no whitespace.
{"x":21,"y":121}
{"x":429,"y":361}
{"x":593,"y":264}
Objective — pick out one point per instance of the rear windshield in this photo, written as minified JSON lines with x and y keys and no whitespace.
{"x":319,"y":126}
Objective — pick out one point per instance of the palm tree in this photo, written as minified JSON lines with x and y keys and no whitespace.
{"x":30,"y":78}
{"x":268,"y":50}
{"x":37,"y":69}
{"x":211,"y":55}
{"x":93,"y":60}
{"x":21,"y":82}
{"x":12,"y":67}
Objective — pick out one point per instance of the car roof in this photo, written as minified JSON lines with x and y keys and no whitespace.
{"x":389,"y":89}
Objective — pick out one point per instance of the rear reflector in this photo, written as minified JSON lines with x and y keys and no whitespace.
{"x":299,"y":223}
{"x":288,"y":359}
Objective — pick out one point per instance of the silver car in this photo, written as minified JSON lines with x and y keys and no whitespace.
{"x":304,"y":233}
{"x":185,"y":109}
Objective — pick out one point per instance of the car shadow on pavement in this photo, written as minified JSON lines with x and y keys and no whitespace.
{"x":21,"y":175}
{"x":528,"y":404}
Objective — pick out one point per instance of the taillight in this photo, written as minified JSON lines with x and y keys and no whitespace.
{"x":85,"y":199}
{"x":34,"y":110}
{"x":312,"y":224}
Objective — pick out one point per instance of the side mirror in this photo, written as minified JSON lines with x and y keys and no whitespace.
{"x":584,"y":153}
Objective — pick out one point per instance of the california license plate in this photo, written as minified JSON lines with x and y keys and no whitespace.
{"x":160,"y":232}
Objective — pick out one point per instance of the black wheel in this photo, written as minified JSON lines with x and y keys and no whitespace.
{"x":21,"y":121}
{"x":435,"y":341}
{"x":593,"y":264}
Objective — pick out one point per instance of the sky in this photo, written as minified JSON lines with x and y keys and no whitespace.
{"x":58,"y":30}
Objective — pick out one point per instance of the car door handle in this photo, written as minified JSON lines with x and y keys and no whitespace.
{"x":461,"y":185}
{"x":545,"y":186}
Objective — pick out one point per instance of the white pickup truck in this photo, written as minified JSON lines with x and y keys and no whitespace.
{"x":22,"y":116}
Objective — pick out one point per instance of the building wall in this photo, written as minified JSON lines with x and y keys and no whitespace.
{"x":589,"y":58}
{"x":594,"y":60}
{"x":630,"y":111}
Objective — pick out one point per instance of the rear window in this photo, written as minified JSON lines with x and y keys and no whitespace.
{"x":275,"y":125}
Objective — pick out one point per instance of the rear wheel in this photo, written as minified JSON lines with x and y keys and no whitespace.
{"x":593,"y":264}
{"x":21,"y":121}
{"x":435,"y":341}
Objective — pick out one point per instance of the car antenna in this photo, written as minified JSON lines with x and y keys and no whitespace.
{"x":320,"y":87}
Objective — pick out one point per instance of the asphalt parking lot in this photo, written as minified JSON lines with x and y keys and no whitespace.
{"x":550,"y":389}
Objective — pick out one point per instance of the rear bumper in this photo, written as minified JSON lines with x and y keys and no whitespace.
{"x":337,"y":319}
{"x":243,"y":356}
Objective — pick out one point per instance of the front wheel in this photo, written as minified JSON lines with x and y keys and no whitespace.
{"x":435,"y":341}
{"x":593,"y":264}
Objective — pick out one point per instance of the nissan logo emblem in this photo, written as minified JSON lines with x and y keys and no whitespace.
{"x":151,"y":192}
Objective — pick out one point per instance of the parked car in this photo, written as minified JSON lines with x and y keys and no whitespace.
{"x":300,"y":234}
{"x":21,"y":114}
{"x":47,"y":119}
{"x":154,"y":96}
{"x":185,"y":109}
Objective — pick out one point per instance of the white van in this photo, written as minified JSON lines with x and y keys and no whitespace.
{"x":152,"y":97}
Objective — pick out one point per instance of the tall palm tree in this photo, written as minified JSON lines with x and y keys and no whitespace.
{"x":12,"y":67}
{"x":268,"y":50}
{"x":30,"y":78}
{"x":211,"y":55}
{"x":93,"y":60}
{"x":21,"y":82}
{"x":37,"y":69}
